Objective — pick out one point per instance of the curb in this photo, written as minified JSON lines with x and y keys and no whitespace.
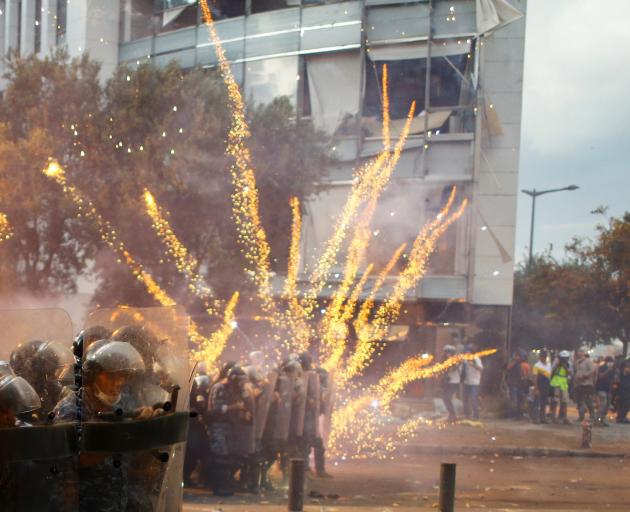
{"x":527,"y":451}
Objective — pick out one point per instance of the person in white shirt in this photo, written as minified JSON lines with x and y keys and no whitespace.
{"x":471,"y":377}
{"x":450,"y":383}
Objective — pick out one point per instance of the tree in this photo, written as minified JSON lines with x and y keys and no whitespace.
{"x":160,"y":128}
{"x":609,"y":258}
{"x":49,"y":108}
{"x":552,"y":304}
{"x":585,"y":298}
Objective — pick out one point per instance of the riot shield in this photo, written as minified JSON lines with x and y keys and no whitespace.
{"x":37,"y":459}
{"x":146,"y":453}
{"x":279,"y":417}
{"x":298,"y":409}
{"x":328,"y":394}
{"x":263,"y":405}
{"x":313,"y":405}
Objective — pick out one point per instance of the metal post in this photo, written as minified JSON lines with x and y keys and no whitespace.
{"x":296,"y":485}
{"x":531,"y":230}
{"x":447,"y":487}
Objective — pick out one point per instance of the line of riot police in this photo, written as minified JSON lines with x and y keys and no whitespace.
{"x":250,"y":418}
{"x":93,"y":428}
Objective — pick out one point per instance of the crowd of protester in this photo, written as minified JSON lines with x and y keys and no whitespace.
{"x":540,"y":386}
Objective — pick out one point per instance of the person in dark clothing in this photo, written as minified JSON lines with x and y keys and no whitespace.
{"x":516,"y":384}
{"x":623,"y":394}
{"x":603,"y":388}
{"x":226,"y":405}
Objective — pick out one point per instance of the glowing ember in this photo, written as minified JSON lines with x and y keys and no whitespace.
{"x":185,"y":262}
{"x":210,"y":350}
{"x":5,"y":228}
{"x":245,"y":207}
{"x":86,"y":208}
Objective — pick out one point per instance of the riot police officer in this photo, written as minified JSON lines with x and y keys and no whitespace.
{"x":319,"y":447}
{"x":227,"y":410}
{"x":104,"y":480}
{"x":197,"y":448}
{"x":43,"y":365}
{"x":17,"y":398}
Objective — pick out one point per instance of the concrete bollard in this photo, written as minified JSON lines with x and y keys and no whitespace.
{"x":447,"y":487}
{"x":296,"y":485}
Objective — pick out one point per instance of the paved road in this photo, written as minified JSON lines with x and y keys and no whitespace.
{"x":486,"y":480}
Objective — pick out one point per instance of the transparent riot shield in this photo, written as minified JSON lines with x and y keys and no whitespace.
{"x":138,"y":443}
{"x":279,"y":418}
{"x":313,"y":405}
{"x":328,"y":394}
{"x":263,"y":404}
{"x":37,"y":458}
{"x":298,"y":409}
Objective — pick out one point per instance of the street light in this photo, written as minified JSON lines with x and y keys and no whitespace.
{"x":534,"y":194}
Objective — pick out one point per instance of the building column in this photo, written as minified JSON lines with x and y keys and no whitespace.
{"x":11,"y":25}
{"x":27,"y":31}
{"x":48,"y":26}
{"x":93,"y":28}
{"x":127,"y":10}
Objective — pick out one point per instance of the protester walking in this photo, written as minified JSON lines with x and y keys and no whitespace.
{"x":584,"y":374}
{"x":471,"y":377}
{"x":450,"y":383}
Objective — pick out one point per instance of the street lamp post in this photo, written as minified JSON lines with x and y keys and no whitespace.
{"x":534,"y":194}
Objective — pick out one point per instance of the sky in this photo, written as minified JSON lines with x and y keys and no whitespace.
{"x":576,"y":118}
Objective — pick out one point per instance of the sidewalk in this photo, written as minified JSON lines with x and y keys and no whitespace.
{"x":520,"y":438}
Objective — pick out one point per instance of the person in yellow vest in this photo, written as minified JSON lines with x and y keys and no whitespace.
{"x":560,"y":386}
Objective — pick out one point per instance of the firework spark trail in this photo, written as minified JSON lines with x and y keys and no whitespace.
{"x":6,"y":232}
{"x":368,"y":304}
{"x":351,"y":304}
{"x":387,"y":314}
{"x":245,"y":198}
{"x":185,"y":262}
{"x":336,"y":332}
{"x":386,"y":114}
{"x":211,"y":349}
{"x":358,"y":436}
{"x":296,"y":316}
{"x":86,"y":208}
{"x":366,"y":183}
{"x":356,"y":254}
{"x":422,"y":249}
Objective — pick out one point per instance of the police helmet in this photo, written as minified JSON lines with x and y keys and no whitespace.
{"x":324,"y":377}
{"x":450,"y":349}
{"x":564,"y":354}
{"x":52,"y":360}
{"x":306,"y":361}
{"x":22,"y":359}
{"x":17,"y":395}
{"x":113,"y":357}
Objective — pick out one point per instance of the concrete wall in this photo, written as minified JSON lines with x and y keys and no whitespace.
{"x":496,"y":177}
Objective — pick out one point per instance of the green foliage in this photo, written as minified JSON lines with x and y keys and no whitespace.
{"x":160,"y":128}
{"x":585,"y":298}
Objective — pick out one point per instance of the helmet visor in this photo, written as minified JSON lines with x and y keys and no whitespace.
{"x":115,"y":356}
